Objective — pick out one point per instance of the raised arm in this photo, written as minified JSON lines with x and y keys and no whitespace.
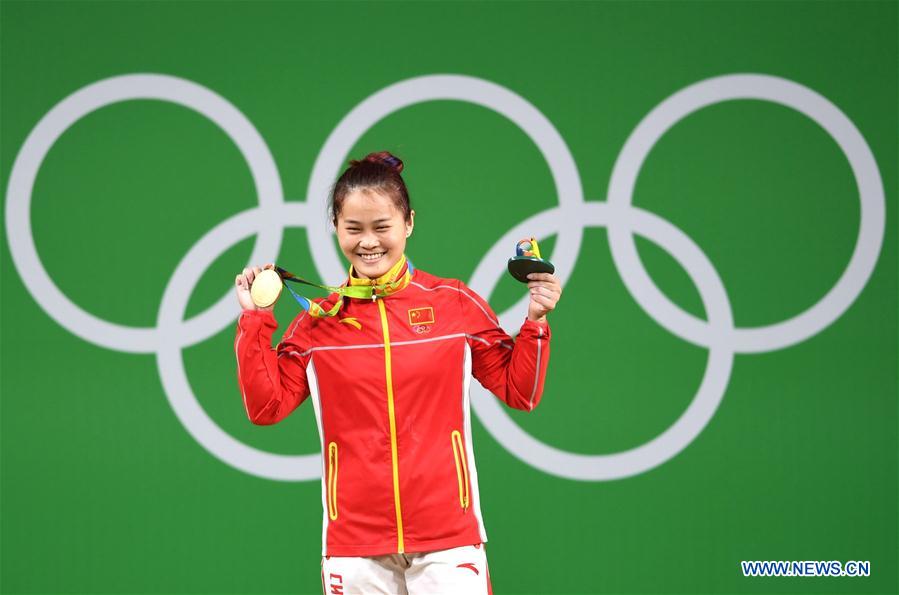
{"x":272,"y":381}
{"x":513,"y":370}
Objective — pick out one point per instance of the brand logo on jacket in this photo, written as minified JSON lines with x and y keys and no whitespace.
{"x":352,"y":322}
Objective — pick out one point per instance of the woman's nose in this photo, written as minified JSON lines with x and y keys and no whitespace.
{"x":369,"y":240}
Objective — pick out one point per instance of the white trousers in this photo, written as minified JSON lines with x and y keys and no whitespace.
{"x":455,"y":570}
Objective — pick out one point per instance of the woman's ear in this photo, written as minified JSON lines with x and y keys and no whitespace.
{"x":410,"y":223}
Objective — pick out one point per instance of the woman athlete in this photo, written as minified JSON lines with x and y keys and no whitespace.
{"x":389,"y":379}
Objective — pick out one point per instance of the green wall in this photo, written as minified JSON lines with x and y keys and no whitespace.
{"x":104,"y":488}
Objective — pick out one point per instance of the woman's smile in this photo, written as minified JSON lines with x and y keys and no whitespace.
{"x":371,"y":257}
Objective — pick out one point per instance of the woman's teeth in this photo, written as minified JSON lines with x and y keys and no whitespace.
{"x":372,"y":257}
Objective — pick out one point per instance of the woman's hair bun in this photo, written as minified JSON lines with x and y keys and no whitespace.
{"x":383,"y":158}
{"x":379,"y":171}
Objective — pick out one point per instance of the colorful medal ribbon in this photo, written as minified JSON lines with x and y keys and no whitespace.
{"x":356,"y":287}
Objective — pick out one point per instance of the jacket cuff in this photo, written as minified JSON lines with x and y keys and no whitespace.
{"x":535,"y":329}
{"x":258,"y":318}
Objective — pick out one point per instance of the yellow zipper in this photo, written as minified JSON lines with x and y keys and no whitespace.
{"x":332,"y":481}
{"x":392,"y":415}
{"x":461,"y":468}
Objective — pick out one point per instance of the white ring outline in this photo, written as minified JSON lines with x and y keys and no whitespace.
{"x":170,"y":357}
{"x":435,"y":87}
{"x":67,"y":112}
{"x":691,"y":422}
{"x":821,"y":111}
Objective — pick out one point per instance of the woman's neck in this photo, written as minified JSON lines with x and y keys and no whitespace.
{"x":392,"y":273}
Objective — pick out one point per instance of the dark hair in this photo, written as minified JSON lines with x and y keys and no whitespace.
{"x":378,"y":171}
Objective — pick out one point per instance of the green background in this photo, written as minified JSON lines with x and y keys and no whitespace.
{"x":103,"y":490}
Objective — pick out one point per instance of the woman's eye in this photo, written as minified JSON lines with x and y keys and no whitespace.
{"x":384,"y":228}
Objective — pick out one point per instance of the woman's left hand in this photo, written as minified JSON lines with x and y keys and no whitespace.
{"x":545,"y":293}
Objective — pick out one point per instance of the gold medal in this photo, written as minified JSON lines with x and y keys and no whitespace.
{"x":266,"y":288}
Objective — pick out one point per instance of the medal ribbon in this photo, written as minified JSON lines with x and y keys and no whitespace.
{"x":355,"y":288}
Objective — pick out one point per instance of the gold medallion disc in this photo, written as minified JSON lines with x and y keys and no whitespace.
{"x":266,"y":288}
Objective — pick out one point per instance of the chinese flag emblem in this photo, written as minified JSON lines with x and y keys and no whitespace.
{"x":421,"y":316}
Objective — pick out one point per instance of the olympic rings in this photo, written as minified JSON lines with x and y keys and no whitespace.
{"x":172,"y":333}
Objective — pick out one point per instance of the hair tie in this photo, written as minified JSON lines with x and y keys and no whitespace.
{"x":383,"y":158}
{"x":388,"y":160}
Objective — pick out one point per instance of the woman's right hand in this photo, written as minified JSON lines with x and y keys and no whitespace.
{"x":243,"y":282}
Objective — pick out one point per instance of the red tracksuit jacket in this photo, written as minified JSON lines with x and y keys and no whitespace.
{"x":389,"y":380}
